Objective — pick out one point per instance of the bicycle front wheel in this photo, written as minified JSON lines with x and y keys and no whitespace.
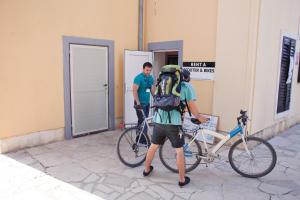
{"x":192,"y":152}
{"x":257,"y":162}
{"x":132,"y":147}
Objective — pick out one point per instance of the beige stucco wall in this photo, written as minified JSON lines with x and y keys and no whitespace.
{"x":242,"y":37}
{"x":31,"y":57}
{"x":276,"y":17}
{"x":248,"y":61}
{"x":235,"y":59}
{"x":195,"y":23}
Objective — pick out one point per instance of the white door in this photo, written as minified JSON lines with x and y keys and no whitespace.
{"x":89,"y":88}
{"x":133,"y":65}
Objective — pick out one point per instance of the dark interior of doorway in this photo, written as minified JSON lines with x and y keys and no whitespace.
{"x":164,"y":58}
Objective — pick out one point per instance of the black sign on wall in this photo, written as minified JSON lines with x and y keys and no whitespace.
{"x":200,"y":70}
{"x":199,"y":64}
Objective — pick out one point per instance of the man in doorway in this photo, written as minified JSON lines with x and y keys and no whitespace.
{"x":143,"y":85}
{"x":163,"y":127}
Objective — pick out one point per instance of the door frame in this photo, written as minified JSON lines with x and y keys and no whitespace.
{"x":166,"y":46}
{"x":67,"y":41}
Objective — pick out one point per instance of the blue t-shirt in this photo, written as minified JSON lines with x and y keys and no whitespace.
{"x":162,"y":117}
{"x":145,"y":83}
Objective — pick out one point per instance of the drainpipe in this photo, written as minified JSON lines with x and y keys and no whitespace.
{"x":141,"y":14}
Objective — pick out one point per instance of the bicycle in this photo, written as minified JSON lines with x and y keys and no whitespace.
{"x":131,"y":149}
{"x":243,"y":154}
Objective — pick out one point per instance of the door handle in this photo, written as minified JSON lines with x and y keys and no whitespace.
{"x":105,"y":85}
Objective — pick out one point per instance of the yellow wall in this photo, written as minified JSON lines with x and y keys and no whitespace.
{"x":31,"y":57}
{"x":242,"y":37}
{"x":276,"y":17}
{"x":195,"y":23}
{"x":235,"y":59}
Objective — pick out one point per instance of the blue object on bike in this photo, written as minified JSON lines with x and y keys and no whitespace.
{"x":235,"y":131}
{"x":187,"y":152}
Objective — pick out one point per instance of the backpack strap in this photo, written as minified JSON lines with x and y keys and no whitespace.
{"x":188,"y":107}
{"x":169,"y":115}
{"x":157,"y":86}
{"x":174,"y":79}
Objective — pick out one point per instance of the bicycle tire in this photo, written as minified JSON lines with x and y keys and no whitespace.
{"x":256,"y":147}
{"x":132,"y":148}
{"x":173,"y":167}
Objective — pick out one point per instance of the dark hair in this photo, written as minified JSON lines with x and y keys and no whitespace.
{"x":147,"y":64}
{"x":186,"y":75}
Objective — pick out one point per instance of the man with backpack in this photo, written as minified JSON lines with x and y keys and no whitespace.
{"x":172,"y":90}
{"x":142,"y":88}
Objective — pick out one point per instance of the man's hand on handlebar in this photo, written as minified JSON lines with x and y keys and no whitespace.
{"x":202,"y":119}
{"x":138,"y":106}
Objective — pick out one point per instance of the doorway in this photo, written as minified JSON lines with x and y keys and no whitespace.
{"x":89,"y":88}
{"x":162,"y":58}
{"x":167,"y":52}
{"x":159,"y":54}
{"x":88,"y":85}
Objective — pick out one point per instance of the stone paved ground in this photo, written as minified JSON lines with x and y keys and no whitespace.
{"x":21,"y":182}
{"x":91,"y":163}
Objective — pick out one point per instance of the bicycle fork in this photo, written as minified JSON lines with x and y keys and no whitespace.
{"x":246,"y":147}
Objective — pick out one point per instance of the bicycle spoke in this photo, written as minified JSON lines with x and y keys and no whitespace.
{"x":261,"y":160}
{"x":131,"y":153}
{"x":192,"y":150}
{"x":128,"y":140}
{"x":140,"y":155}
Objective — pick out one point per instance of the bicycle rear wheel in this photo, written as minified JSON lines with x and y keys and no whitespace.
{"x":260,"y":160}
{"x":131,"y":150}
{"x":192,"y":151}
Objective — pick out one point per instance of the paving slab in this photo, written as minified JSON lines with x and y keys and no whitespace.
{"x":91,"y":164}
{"x":21,"y":182}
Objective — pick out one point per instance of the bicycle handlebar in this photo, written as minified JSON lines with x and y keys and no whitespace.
{"x":243,"y":118}
{"x":195,"y":121}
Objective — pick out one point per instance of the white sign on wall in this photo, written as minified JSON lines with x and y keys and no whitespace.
{"x":200,"y":70}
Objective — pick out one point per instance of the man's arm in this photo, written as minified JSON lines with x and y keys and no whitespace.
{"x":194,"y":110}
{"x":135,"y":88}
{"x":153,"y":90}
{"x":153,"y":86}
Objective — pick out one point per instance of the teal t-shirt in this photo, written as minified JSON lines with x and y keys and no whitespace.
{"x":145,"y":83}
{"x":161,"y":117}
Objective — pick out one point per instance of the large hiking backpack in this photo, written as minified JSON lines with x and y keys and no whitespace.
{"x":168,"y":87}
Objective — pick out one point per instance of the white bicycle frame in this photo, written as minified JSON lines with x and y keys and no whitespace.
{"x":146,"y":121}
{"x":223,"y":139}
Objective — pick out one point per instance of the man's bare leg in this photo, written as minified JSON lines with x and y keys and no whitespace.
{"x":180,"y":164}
{"x":150,"y":155}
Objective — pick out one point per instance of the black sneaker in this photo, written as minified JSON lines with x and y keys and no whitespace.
{"x":186,"y":181}
{"x":148,"y":173}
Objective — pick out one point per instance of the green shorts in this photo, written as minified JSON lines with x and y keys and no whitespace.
{"x":172,"y":132}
